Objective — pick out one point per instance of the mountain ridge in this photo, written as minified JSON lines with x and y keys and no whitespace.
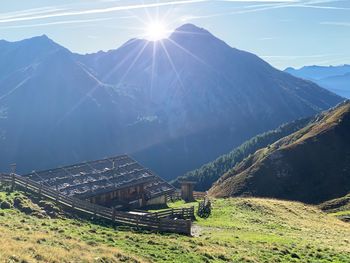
{"x":177,"y":103}
{"x":309,"y":165}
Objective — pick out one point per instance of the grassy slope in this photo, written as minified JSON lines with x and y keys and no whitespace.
{"x":207,"y":174}
{"x":310,"y":165}
{"x":239,"y":230}
{"x":339,"y":207}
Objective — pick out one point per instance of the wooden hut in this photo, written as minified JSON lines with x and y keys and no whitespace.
{"x":119,"y":182}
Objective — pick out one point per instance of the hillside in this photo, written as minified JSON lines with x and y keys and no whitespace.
{"x":333,"y":78}
{"x":311,"y":165}
{"x":239,"y":230}
{"x":339,"y":207}
{"x":173,"y":105}
{"x":209,"y":173}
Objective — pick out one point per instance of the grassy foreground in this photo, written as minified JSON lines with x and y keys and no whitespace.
{"x":239,"y":230}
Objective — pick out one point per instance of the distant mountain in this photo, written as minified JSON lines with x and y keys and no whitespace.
{"x":206,"y":175}
{"x":311,"y":165}
{"x":333,"y":78}
{"x":339,"y":84}
{"x":173,"y":105}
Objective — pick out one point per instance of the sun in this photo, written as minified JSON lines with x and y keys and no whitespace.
{"x":156,"y":31}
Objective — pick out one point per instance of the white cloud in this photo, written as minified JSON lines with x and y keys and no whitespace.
{"x":346,"y":24}
{"x":53,"y":14}
{"x":76,"y":21}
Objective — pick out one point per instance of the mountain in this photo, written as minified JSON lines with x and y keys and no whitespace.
{"x":209,"y":173}
{"x":173,"y":105}
{"x":318,"y":72}
{"x":333,"y":78}
{"x":311,"y":165}
{"x":339,"y":84}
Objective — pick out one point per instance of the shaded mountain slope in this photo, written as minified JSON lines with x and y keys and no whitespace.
{"x":162,"y":102}
{"x":206,"y":175}
{"x":311,"y":165}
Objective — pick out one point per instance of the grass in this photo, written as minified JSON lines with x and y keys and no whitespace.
{"x":239,"y":230}
{"x":341,"y":213}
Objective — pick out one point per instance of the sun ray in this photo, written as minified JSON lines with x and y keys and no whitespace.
{"x":189,"y":52}
{"x":92,"y":90}
{"x":173,"y":67}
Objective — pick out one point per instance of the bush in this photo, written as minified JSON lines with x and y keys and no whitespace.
{"x":5,"y":205}
{"x":204,"y":209}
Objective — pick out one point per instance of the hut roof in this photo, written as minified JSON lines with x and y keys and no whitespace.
{"x":92,"y":178}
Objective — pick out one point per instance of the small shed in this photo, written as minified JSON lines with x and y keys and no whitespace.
{"x":187,"y":191}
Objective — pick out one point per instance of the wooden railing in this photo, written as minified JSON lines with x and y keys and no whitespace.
{"x":183,"y":213}
{"x":147,"y":222}
{"x":199,"y":195}
{"x":175,"y":196}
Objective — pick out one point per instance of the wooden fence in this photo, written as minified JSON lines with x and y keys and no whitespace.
{"x":147,"y":222}
{"x":175,"y":196}
{"x":199,"y":195}
{"x":183,"y":213}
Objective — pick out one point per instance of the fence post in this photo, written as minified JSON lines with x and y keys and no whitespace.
{"x":56,"y":197}
{"x":188,"y":227}
{"x":183,"y":212}
{"x":13,"y":182}
{"x":113,"y":214}
{"x":137,"y":223}
{"x":172,"y":212}
{"x":160,"y":225}
{"x":40,"y":189}
{"x":26,"y":186}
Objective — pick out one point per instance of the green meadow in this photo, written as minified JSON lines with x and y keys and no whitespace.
{"x":239,"y":230}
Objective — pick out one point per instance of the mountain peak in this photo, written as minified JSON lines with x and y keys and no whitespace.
{"x":41,"y":44}
{"x":40,"y":39}
{"x":190,"y":29}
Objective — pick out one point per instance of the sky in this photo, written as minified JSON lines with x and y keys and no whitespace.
{"x":283,"y":32}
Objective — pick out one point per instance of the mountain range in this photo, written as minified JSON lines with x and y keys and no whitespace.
{"x":173,"y":104}
{"x":333,"y":78}
{"x":311,"y":165}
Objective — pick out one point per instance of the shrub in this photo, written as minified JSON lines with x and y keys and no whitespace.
{"x":5,"y":205}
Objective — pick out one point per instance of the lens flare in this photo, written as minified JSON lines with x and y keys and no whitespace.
{"x":156,"y":31}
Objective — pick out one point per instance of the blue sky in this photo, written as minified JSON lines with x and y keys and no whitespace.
{"x":284,"y":33}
